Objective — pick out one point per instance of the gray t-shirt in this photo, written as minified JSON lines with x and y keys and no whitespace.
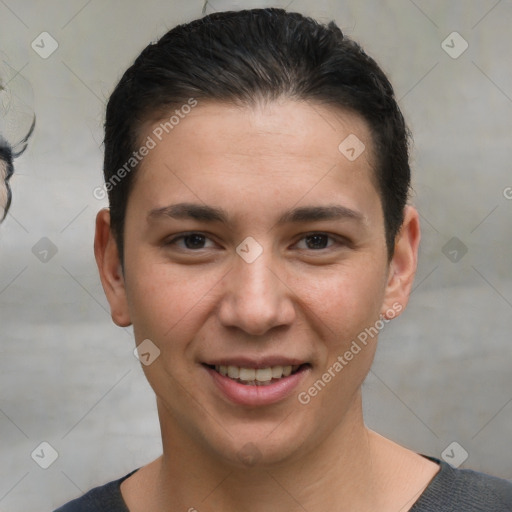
{"x":451,"y":490}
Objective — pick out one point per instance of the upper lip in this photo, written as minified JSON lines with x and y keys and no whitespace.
{"x":255,"y":362}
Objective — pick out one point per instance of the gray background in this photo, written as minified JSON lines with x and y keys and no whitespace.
{"x":443,"y":369}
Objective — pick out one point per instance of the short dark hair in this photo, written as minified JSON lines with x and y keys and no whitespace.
{"x":242,"y":57}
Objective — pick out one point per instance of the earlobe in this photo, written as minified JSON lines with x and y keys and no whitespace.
{"x":402,"y":267}
{"x":110,"y":269}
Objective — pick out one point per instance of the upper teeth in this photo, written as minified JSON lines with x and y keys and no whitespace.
{"x":260,"y":374}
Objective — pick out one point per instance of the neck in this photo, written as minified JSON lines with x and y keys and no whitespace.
{"x":336,"y":474}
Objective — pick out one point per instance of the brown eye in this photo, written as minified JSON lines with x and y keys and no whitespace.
{"x":190,"y":241}
{"x":316,"y":241}
{"x":194,"y":241}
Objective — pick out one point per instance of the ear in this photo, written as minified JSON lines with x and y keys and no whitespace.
{"x":109,"y":266}
{"x":402,"y":267}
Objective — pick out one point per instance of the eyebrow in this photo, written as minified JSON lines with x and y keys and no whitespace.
{"x":204,"y":213}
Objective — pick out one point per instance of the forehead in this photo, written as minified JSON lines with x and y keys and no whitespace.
{"x":286,"y":148}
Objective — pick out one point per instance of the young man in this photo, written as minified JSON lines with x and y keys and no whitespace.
{"x":258,"y":238}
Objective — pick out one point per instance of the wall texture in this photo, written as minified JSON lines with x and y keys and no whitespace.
{"x":68,"y":375}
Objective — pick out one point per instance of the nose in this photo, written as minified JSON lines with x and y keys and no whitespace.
{"x":256,"y":297}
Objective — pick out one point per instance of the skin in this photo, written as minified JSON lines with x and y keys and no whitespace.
{"x":295,"y":300}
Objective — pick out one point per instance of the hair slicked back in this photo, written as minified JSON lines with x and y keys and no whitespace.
{"x":244,"y":57}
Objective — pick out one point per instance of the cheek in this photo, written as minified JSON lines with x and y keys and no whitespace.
{"x":349,"y":310}
{"x":345,"y":300}
{"x":166,"y":303}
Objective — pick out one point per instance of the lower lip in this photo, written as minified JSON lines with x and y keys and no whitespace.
{"x":243,"y":394}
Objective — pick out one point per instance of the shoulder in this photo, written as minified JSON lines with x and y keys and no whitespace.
{"x":106,"y":497}
{"x":464,"y":490}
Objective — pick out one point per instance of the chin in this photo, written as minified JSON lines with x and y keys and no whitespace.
{"x":260,"y":447}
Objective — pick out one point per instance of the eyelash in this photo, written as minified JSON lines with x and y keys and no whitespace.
{"x":337,"y":240}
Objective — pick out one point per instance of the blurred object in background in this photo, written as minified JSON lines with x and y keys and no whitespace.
{"x":17,"y":122}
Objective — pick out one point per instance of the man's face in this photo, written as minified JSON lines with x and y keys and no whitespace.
{"x":252,"y":241}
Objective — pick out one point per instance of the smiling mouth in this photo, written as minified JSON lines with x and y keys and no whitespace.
{"x":258,"y":376}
